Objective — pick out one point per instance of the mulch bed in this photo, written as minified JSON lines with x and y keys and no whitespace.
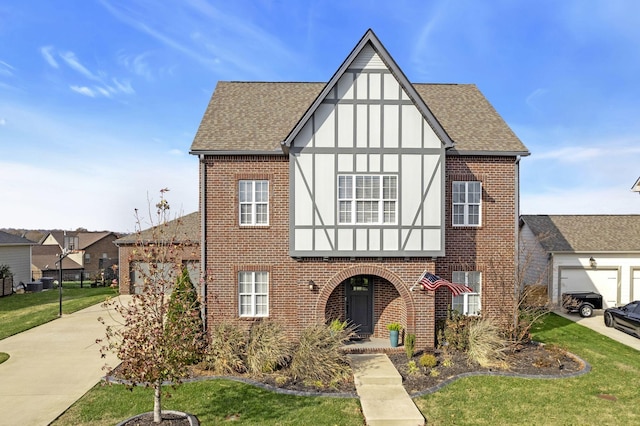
{"x":532,"y":360}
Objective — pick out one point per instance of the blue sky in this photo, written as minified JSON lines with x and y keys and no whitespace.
{"x":100,"y":100}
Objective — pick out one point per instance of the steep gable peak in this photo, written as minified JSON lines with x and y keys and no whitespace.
{"x":368,"y":55}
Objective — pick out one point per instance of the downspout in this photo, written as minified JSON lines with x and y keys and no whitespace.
{"x":203,"y":240}
{"x":517,"y":285}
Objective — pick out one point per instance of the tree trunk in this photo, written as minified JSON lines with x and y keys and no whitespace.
{"x":157,"y":400}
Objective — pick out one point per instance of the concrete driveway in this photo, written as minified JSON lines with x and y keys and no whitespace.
{"x":596,"y":323}
{"x":51,"y":366}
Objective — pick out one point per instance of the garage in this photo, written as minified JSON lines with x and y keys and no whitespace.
{"x":635,"y":285}
{"x":139,"y":270}
{"x":603,"y":281}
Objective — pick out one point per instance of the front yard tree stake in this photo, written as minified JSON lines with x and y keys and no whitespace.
{"x":152,"y":348}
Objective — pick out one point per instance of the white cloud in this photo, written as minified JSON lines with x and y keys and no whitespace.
{"x":46,"y":52}
{"x":73,"y":62}
{"x":83,"y":90}
{"x":123,"y":87}
{"x":6,"y":69}
{"x":582,"y":200}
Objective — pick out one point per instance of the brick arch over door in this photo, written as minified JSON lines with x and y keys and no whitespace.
{"x":340,"y":277}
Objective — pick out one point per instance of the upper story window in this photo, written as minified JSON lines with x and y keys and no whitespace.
{"x":467,"y":303}
{"x":367,"y":199}
{"x":71,"y":243}
{"x":254,"y":202}
{"x":467,"y":197}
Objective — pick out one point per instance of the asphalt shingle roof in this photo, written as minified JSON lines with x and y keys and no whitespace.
{"x":583,"y":233}
{"x":255,"y":116}
{"x":10,"y":239}
{"x":186,"y":229}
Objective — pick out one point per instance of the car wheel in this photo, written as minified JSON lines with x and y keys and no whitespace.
{"x":586,"y":310}
{"x":608,"y":319}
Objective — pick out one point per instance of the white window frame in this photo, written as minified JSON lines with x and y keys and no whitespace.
{"x":253,"y":200}
{"x":462,"y":303}
{"x":353,"y":196}
{"x":467,"y":204}
{"x":253,"y":294}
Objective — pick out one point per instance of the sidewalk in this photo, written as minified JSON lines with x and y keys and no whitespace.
{"x":596,"y":323}
{"x":383,"y":399}
{"x":51,"y":366}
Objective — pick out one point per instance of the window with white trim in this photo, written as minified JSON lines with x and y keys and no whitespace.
{"x":253,"y":294}
{"x":466,"y":197}
{"x":370,"y":199}
{"x":254,"y":202}
{"x":467,"y":303}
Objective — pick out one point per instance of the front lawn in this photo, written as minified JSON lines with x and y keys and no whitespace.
{"x":20,"y":312}
{"x":608,"y":395}
{"x":214,"y":402}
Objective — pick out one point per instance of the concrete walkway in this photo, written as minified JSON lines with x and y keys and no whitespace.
{"x":596,"y":323}
{"x":51,"y":366}
{"x":383,"y":398}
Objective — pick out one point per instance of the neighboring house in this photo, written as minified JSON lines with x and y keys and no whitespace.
{"x":15,"y":252}
{"x":583,"y":253}
{"x":329,"y":200}
{"x":91,"y":254}
{"x":184,"y":231}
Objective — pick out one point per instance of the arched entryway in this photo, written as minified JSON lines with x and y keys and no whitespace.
{"x":368,"y":296}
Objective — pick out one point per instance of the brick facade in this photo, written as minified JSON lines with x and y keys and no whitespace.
{"x":230,"y":248}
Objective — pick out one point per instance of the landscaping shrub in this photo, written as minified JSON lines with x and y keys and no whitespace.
{"x":428,"y":360}
{"x":486,"y":346}
{"x":409,"y":344}
{"x":184,"y":307}
{"x":225,"y":353}
{"x":456,"y":330}
{"x":318,"y":357}
{"x":267,"y":349}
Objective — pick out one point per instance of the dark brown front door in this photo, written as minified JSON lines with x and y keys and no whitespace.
{"x":359,"y":292}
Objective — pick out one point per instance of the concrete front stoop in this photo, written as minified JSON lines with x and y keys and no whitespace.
{"x":383,"y":398}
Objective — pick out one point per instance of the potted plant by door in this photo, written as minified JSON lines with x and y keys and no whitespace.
{"x":394,"y":332}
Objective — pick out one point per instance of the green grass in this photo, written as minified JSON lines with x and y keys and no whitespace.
{"x":20,"y":312}
{"x":3,"y":357}
{"x":214,"y":402}
{"x":481,"y":400}
{"x":510,"y":401}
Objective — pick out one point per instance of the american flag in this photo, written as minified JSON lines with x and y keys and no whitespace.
{"x":432,"y":282}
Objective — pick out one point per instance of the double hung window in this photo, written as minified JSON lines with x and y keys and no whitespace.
{"x":253,"y":294}
{"x":467,"y":303}
{"x":254,"y":202}
{"x":367,"y":199}
{"x":467,"y":197}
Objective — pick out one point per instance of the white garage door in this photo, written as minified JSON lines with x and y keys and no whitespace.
{"x":141,"y":269}
{"x":603,"y":282}
{"x":635,"y":285}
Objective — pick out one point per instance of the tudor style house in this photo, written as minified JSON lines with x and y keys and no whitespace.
{"x":330,"y":200}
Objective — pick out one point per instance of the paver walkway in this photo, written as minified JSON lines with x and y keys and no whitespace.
{"x":383,"y":398}
{"x":51,"y":366}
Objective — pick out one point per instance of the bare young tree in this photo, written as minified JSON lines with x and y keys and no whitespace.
{"x":160,"y":335}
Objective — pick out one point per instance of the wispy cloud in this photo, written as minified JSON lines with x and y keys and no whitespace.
{"x":46,"y":52}
{"x":101,"y":84}
{"x":6,"y":69}
{"x":83,"y":90}
{"x":221,"y":41}
{"x":3,"y":122}
{"x":73,"y":62}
